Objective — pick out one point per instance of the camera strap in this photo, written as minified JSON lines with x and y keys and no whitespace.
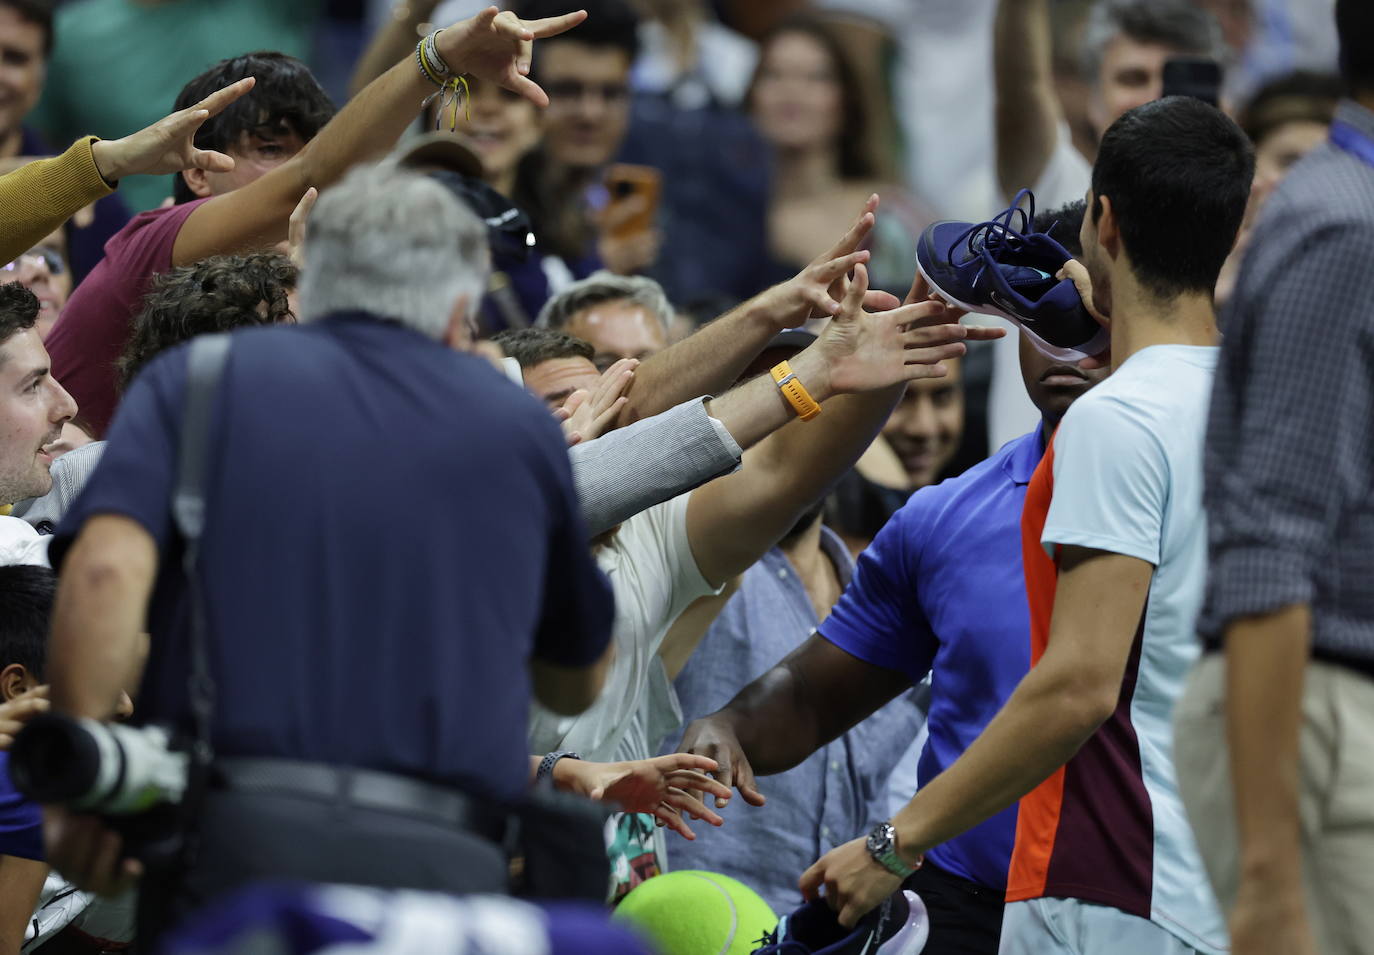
{"x":206,"y":361}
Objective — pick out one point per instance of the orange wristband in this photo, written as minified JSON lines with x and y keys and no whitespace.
{"x":796,"y":394}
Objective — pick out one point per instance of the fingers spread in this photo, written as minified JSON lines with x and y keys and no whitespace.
{"x":685,"y":802}
{"x":552,"y":26}
{"x":212,"y":161}
{"x":219,"y":99}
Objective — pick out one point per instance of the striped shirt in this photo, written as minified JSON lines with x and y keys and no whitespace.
{"x":1290,"y":443}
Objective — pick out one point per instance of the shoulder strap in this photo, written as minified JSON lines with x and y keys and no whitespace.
{"x":205,"y":367}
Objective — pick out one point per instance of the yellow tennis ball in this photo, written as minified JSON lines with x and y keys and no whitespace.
{"x":697,"y":913}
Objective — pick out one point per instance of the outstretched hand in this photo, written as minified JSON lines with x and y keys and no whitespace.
{"x":587,"y":415}
{"x":816,"y":291}
{"x":659,"y":786}
{"x":867,"y":350}
{"x":713,"y":738}
{"x":168,"y":145}
{"x":498,"y":46}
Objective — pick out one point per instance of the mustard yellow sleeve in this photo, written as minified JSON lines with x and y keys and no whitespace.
{"x":38,"y":197}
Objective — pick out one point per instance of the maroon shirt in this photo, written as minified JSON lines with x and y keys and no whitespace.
{"x":95,"y":325}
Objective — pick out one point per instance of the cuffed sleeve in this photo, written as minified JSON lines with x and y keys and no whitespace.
{"x":649,"y":462}
{"x":39,"y":196}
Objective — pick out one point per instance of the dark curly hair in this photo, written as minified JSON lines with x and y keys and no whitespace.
{"x":217,"y":294}
{"x":18,"y":309}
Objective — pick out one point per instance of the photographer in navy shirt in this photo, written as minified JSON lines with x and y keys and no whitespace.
{"x":343,"y":634}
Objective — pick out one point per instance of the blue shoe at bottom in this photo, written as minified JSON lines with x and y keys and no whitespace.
{"x":900,"y":926}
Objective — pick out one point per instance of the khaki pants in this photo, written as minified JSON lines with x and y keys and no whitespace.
{"x":1337,"y":796}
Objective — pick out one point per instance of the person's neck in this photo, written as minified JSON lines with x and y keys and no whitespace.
{"x":803,"y":173}
{"x":1141,"y":319}
{"x":11,"y":143}
{"x":813,"y":566}
{"x":505,"y":182}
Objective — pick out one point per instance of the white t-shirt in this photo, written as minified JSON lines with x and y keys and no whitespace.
{"x":1066,"y":176}
{"x":21,"y":544}
{"x":1128,"y":480}
{"x":654,"y":576}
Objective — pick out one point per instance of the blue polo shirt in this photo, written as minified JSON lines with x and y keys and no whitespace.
{"x":391,"y":535}
{"x":941,"y":591}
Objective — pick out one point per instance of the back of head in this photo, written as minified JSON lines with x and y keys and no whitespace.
{"x":600,"y":288}
{"x":609,"y":23}
{"x":26,"y":596}
{"x":1181,"y":25}
{"x":1178,"y":173}
{"x":18,"y":310}
{"x":218,"y":294}
{"x":1064,"y":224}
{"x":395,"y":244}
{"x":1355,"y":26}
{"x":534,"y":346}
{"x":285,"y":92}
{"x":37,"y":12}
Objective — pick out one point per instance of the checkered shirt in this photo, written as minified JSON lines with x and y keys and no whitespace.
{"x":1290,"y":444}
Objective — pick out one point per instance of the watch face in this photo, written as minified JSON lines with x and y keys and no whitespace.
{"x":879,"y":840}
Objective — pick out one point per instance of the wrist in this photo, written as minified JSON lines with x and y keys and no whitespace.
{"x":106,"y":155}
{"x":813,"y":371}
{"x":768,"y":309}
{"x":566,"y":776}
{"x":910,"y":845}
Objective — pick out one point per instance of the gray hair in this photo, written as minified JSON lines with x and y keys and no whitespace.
{"x":1178,"y":24}
{"x":601,"y":287}
{"x":396,"y":244}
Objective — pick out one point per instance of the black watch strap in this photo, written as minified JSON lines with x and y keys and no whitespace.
{"x":547,"y":764}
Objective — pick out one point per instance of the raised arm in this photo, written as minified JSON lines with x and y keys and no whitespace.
{"x":493,"y":47}
{"x":1028,"y":113}
{"x":867,"y":357}
{"x":711,"y":360}
{"x":41,"y":195}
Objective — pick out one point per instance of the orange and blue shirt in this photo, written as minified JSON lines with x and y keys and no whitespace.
{"x":1123,"y":475}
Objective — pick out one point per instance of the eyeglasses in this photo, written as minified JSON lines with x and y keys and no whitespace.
{"x":36,"y":256}
{"x":613,"y":94}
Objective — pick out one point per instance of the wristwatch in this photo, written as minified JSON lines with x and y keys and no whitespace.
{"x":546,"y":765}
{"x":882,"y":846}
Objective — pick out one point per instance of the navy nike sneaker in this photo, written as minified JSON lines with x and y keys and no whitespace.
{"x":899,"y":926}
{"x":1003,"y":267}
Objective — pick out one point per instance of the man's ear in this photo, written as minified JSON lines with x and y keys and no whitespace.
{"x":458,"y":335}
{"x":197,"y":180}
{"x":15,"y":680}
{"x":1108,"y":229}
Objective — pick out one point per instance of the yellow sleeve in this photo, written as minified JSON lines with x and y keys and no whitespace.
{"x":38,"y":197}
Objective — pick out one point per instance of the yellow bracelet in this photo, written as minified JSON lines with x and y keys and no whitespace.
{"x":796,"y":394}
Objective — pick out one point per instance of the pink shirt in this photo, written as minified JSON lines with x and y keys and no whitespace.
{"x":95,"y":325}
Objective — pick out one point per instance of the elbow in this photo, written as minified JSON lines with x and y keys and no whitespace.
{"x":1084,"y":707}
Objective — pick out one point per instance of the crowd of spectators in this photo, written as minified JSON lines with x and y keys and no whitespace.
{"x":718,"y":536}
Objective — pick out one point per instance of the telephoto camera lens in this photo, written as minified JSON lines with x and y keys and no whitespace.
{"x":91,"y":766}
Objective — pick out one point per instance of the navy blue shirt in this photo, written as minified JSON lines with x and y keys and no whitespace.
{"x":391,"y":534}
{"x":941,"y":590}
